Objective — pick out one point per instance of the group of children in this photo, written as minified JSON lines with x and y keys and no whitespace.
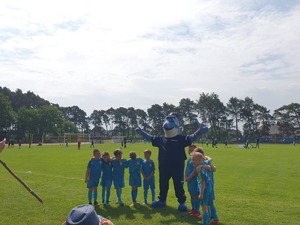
{"x":112,"y":171}
{"x":198,"y":175}
{"x":200,"y":181}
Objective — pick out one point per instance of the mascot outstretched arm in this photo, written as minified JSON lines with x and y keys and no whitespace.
{"x":171,"y":158}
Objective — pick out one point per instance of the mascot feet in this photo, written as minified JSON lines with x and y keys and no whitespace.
{"x":158,"y":204}
{"x":182,"y":207}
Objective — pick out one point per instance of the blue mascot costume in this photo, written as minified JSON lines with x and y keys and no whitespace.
{"x":171,"y":158}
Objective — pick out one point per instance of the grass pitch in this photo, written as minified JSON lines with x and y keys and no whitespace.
{"x":252,"y":186}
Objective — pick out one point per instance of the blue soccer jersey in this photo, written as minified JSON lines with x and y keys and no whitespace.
{"x":118,"y":172}
{"x":193,"y":183}
{"x":135,"y":167}
{"x":211,"y":176}
{"x":148,"y":167}
{"x":107,"y":175}
{"x":95,"y":168}
{"x":203,"y":176}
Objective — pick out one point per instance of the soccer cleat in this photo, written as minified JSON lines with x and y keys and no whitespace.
{"x":120,"y":203}
{"x":191,"y":212}
{"x":182,"y":207}
{"x":145,"y":203}
{"x":90,"y":203}
{"x":199,"y":216}
{"x":158,"y":204}
{"x":195,"y":214}
{"x":215,"y":222}
{"x":96,"y":203}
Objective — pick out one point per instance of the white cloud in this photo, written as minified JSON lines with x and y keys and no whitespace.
{"x":137,"y":53}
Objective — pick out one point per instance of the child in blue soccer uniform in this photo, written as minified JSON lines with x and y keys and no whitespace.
{"x":92,"y":176}
{"x":135,"y":181}
{"x":118,"y":165}
{"x":211,"y":169}
{"x":148,"y":170}
{"x":193,"y":185}
{"x":106,"y":180}
{"x":205,"y":186}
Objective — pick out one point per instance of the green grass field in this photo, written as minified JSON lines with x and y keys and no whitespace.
{"x":253,"y":186}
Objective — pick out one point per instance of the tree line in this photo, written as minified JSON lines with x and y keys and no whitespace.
{"x":28,"y":116}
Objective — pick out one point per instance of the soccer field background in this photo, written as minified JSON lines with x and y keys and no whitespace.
{"x":252,"y":186}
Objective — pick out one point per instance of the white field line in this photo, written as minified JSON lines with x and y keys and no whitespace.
{"x":50,"y":175}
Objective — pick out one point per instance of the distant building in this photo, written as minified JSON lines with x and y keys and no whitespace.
{"x":98,"y":134}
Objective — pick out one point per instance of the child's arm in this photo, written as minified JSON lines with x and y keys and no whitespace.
{"x":150,"y":176}
{"x":207,"y":167}
{"x":87,"y":175}
{"x":202,"y":183}
{"x":213,"y":168}
{"x":208,"y":158}
{"x":192,"y":174}
{"x":202,"y":187}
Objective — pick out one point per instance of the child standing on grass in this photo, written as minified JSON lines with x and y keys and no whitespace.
{"x":148,"y":170}
{"x":205,"y":186}
{"x":92,"y":176}
{"x":210,"y":169}
{"x":193,"y":185}
{"x":106,"y":180}
{"x":135,"y":180}
{"x":118,"y":165}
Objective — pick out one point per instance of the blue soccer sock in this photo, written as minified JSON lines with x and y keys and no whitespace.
{"x":192,"y":202}
{"x":145,"y":195}
{"x":107,"y":195}
{"x":90,"y":196}
{"x":135,"y":192}
{"x":119,"y":194}
{"x":214,"y":214}
{"x":103,"y":194}
{"x":95,"y":195}
{"x":153,"y":194}
{"x":205,"y":218}
{"x":197,"y":205}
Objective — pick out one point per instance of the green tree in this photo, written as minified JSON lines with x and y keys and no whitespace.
{"x":211,"y":111}
{"x":7,"y":118}
{"x":50,"y":121}
{"x":288,"y":119}
{"x":234,"y":109}
{"x":27,"y":123}
{"x":77,"y":116}
{"x":156,"y":118}
{"x":188,"y":115}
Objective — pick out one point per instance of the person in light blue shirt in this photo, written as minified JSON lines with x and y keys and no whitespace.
{"x":205,"y":186}
{"x":118,"y":165}
{"x":210,"y":170}
{"x":135,"y":180}
{"x":106,"y":180}
{"x":193,"y":185}
{"x":92,"y":176}
{"x":148,"y":170}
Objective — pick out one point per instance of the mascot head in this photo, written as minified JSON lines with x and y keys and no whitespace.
{"x":171,"y":125}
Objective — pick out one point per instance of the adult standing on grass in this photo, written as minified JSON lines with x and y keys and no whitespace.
{"x":171,"y":159}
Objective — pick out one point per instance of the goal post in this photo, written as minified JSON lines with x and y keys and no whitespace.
{"x":117,"y":139}
{"x":75,"y":137}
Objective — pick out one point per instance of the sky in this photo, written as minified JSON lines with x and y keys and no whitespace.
{"x":101,"y":54}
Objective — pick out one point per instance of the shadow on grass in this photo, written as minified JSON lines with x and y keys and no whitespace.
{"x":165,"y":215}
